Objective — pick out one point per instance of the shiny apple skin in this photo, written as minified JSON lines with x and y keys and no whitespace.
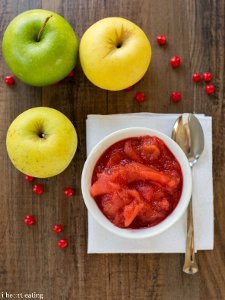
{"x":44,"y":62}
{"x":41,"y":142}
{"x":114,"y":53}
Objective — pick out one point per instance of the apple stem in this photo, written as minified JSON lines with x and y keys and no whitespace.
{"x":42,"y":28}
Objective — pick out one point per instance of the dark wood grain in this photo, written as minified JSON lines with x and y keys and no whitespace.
{"x":29,"y":258}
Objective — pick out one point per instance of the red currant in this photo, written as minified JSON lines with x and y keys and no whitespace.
{"x":71,"y":74}
{"x":140,"y":97}
{"x":196,"y":77}
{"x":38,"y":189}
{"x":57,"y":228}
{"x":175,"y":96}
{"x":29,"y":178}
{"x":161,"y":40}
{"x":210,"y":89}
{"x":130,"y":88}
{"x":175,"y":62}
{"x":62,"y":243}
{"x":29,"y":220}
{"x":69,"y":192}
{"x":9,"y":80}
{"x":207,"y":77}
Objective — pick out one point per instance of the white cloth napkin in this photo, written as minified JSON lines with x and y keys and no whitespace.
{"x":172,"y":240}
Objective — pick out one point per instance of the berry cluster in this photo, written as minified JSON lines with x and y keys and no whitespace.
{"x":30,"y":220}
{"x":207,"y":77}
{"x":175,"y":63}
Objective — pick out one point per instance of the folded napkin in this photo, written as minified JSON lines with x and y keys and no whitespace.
{"x":173,"y":240}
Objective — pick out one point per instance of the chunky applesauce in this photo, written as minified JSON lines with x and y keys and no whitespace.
{"x":137,"y":182}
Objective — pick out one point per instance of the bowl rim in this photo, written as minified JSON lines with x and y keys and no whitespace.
{"x":91,"y":161}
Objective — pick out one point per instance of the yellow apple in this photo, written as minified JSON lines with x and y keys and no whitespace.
{"x":41,"y":142}
{"x":114,"y":53}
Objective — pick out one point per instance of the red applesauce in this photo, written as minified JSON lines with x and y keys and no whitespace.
{"x":137,"y":182}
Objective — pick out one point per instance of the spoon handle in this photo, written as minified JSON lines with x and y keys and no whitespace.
{"x":190,"y":265}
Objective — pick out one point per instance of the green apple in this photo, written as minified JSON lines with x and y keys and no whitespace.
{"x":40,"y":47}
{"x":41,"y":142}
{"x":114,"y":53}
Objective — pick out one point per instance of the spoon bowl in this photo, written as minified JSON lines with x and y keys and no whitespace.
{"x":188,"y":134}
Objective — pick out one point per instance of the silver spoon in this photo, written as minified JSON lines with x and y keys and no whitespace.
{"x":188,"y":133}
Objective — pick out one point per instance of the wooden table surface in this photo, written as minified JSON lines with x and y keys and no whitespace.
{"x":30,"y":260}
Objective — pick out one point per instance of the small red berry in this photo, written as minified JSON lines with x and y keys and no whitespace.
{"x":207,"y":77}
{"x":210,"y":89}
{"x":62,"y":243}
{"x":140,"y":97}
{"x":57,"y":228}
{"x":130,"y":88}
{"x":196,"y":77}
{"x":175,"y":62}
{"x":29,"y":220}
{"x":29,"y":178}
{"x":71,"y":74}
{"x":69,"y":192}
{"x":175,"y":96}
{"x":38,"y":189}
{"x":161,"y":40}
{"x":9,"y":80}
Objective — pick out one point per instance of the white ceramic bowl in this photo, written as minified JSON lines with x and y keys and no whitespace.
{"x":91,"y":161}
